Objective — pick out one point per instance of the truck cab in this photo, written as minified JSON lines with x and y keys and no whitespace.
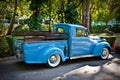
{"x":66,"y":41}
{"x":80,"y":43}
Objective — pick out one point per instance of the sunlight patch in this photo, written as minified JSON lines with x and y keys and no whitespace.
{"x":85,"y":72}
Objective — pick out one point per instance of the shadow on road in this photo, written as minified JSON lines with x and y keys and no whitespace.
{"x":24,"y":66}
{"x":82,"y":61}
{"x":94,"y":69}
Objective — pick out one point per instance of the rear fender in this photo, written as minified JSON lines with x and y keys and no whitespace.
{"x":47,"y":52}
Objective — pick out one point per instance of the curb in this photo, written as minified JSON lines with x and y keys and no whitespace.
{"x":7,"y":58}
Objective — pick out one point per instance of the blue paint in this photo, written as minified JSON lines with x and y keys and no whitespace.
{"x":40,"y":51}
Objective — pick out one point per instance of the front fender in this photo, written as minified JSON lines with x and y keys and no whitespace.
{"x":48,"y":51}
{"x":99,"y":47}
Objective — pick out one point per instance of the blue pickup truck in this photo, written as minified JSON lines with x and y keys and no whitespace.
{"x":66,"y":41}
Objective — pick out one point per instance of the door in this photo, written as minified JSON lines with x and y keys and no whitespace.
{"x":80,"y":43}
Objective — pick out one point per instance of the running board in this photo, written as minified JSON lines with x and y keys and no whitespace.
{"x":83,"y":56}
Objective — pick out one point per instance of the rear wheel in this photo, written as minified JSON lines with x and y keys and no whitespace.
{"x":54,"y":60}
{"x":105,"y":53}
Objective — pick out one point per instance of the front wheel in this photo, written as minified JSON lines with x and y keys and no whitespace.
{"x":54,"y":60}
{"x":105,"y":53}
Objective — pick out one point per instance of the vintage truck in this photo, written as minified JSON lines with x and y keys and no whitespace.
{"x":66,"y":41}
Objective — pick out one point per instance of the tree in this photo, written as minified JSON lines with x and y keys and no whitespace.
{"x":60,"y":11}
{"x":100,"y":11}
{"x":68,"y":11}
{"x":71,"y":14}
{"x":114,"y":7}
{"x":23,"y":8}
{"x":13,"y":18}
{"x":37,"y":7}
{"x":6,"y":9}
{"x":87,"y":14}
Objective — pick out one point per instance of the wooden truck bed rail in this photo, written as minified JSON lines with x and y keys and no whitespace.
{"x":40,"y":36}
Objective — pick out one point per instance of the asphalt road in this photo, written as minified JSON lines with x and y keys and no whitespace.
{"x":77,"y":69}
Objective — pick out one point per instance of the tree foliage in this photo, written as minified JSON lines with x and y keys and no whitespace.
{"x":115,"y":9}
{"x":39,"y":12}
{"x":6,"y":9}
{"x":37,"y":7}
{"x":10,"y":30}
{"x":71,"y":14}
{"x":100,"y":10}
{"x":65,"y":11}
{"x":23,"y":8}
{"x":68,"y":11}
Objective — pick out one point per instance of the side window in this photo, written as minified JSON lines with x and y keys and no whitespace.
{"x":60,"y":30}
{"x":80,"y":33}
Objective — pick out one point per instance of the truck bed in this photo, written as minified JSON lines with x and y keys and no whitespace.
{"x":40,"y":36}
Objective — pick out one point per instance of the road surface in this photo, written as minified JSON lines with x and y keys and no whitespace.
{"x":78,"y":69}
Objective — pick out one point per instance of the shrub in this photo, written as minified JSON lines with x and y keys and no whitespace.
{"x":98,"y":29}
{"x":110,"y":39}
{"x":3,"y":46}
{"x":6,"y":46}
{"x":115,"y":29}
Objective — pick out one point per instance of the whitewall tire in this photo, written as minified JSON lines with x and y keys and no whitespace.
{"x":54,"y":60}
{"x":105,"y":53}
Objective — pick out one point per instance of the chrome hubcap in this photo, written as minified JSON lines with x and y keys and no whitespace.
{"x":104,"y":53}
{"x":53,"y":59}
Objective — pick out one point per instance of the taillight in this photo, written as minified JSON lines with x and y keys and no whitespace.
{"x":21,"y":52}
{"x":114,"y":46}
{"x":18,"y":53}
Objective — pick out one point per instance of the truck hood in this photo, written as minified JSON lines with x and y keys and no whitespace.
{"x":94,"y":37}
{"x":97,"y":39}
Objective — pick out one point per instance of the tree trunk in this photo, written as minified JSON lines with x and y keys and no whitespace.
{"x":87,"y":17}
{"x":83,"y":16}
{"x":90,"y":27}
{"x":10,"y":30}
{"x":68,"y":1}
{"x":50,"y":6}
{"x":62,"y":9}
